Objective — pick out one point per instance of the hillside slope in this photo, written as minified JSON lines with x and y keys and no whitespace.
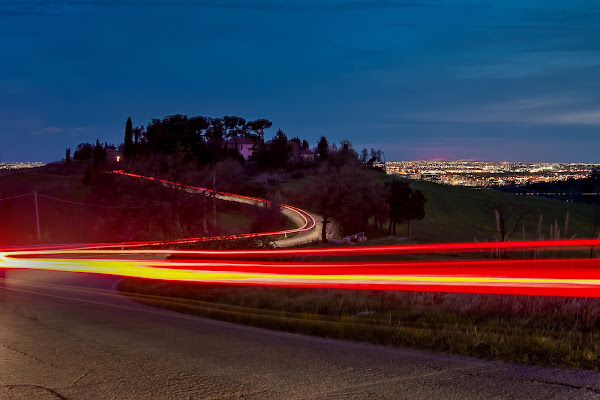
{"x":456,"y":213}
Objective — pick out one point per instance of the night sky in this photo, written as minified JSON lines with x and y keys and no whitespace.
{"x":514,"y":80}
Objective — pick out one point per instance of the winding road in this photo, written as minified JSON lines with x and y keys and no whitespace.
{"x":72,"y":336}
{"x":306,"y":232}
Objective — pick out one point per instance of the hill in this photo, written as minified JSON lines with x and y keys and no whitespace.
{"x":454,"y":213}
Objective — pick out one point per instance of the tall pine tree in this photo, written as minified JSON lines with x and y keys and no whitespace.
{"x":128,"y":142}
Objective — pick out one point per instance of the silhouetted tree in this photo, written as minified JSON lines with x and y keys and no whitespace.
{"x":68,"y":155}
{"x":323,"y":148}
{"x":83,"y":152}
{"x":345,"y":155}
{"x":376,"y":155}
{"x":415,"y":209}
{"x":404,"y":204}
{"x":232,"y":128}
{"x":229,"y":175}
{"x":258,"y":127}
{"x":279,"y":152}
{"x":164,"y":136}
{"x":99,"y":154}
{"x":364,"y":155}
{"x":508,"y":218}
{"x":198,"y":125}
{"x":305,"y":145}
{"x":338,"y":193}
{"x":137,"y":132}
{"x":241,"y":131}
{"x":128,"y":141}
{"x":215,"y":133}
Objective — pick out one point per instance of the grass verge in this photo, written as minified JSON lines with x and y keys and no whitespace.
{"x":525,"y":329}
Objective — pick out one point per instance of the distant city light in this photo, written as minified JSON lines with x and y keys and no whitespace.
{"x":20,"y":165}
{"x":488,"y":173}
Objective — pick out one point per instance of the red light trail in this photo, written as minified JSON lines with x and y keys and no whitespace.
{"x":579,"y":277}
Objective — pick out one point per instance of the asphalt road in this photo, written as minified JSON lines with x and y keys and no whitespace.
{"x":71,"y":336}
{"x":308,"y":236}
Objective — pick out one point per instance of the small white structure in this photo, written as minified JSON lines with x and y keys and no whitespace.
{"x":359,"y":237}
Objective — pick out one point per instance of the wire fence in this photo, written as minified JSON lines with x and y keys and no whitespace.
{"x":101,"y":205}
{"x":96,"y":205}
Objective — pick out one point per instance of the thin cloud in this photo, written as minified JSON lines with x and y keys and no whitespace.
{"x":590,"y":117}
{"x":48,"y":130}
{"x":532,"y":64}
{"x":553,"y":108}
{"x":532,"y":103}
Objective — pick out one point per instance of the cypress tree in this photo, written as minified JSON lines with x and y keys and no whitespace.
{"x":128,"y":142}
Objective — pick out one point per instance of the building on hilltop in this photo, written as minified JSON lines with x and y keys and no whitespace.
{"x":306,"y":156}
{"x":113,"y":156}
{"x":245,"y":146}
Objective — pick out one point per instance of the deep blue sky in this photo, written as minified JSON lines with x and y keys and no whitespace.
{"x":491,"y":80}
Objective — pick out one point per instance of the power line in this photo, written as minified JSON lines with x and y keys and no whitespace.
{"x":94,"y":205}
{"x":99,"y":205}
{"x":16,"y":197}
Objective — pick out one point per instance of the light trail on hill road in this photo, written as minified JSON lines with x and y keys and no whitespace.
{"x":579,"y":277}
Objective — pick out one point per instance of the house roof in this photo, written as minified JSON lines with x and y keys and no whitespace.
{"x":240,"y":140}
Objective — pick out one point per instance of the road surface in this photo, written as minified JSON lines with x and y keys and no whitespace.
{"x":296,"y":215}
{"x":71,"y":336}
{"x":308,"y":236}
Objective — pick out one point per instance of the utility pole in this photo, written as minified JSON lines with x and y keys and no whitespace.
{"x":214,"y":200}
{"x":37,"y":215}
{"x":204,"y":195}
{"x":410,"y":221}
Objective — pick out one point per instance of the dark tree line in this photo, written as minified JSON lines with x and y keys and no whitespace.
{"x":404,"y":204}
{"x":207,"y":139}
{"x":344,"y":190}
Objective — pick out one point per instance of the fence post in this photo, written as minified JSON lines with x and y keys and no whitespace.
{"x":214,"y":193}
{"x":37,"y":215}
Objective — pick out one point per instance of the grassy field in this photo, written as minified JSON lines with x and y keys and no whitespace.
{"x":50,"y":178}
{"x":455,"y":214}
{"x":233,"y":223}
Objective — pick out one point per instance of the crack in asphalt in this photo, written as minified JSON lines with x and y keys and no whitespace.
{"x":23,"y":353}
{"x":542,"y":381}
{"x":51,"y":391}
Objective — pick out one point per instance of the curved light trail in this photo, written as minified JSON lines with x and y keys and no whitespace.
{"x":309,"y":221}
{"x":579,"y":277}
